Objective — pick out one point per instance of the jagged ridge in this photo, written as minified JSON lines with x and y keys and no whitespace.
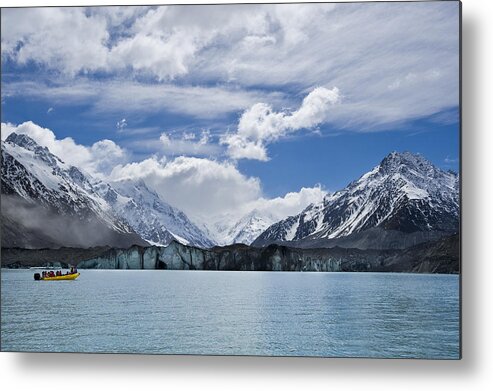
{"x":47,"y":203}
{"x":405,"y":193}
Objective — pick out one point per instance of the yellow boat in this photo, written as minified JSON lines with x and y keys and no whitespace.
{"x":72,"y":276}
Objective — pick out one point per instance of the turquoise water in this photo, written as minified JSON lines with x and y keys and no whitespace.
{"x":233,"y":313}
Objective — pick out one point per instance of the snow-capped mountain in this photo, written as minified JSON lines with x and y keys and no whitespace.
{"x":152,"y":218}
{"x":246,"y":229}
{"x":44,"y":200}
{"x":54,"y":200}
{"x":405,"y":192}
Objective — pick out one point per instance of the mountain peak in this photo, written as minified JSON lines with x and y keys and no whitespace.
{"x":255,"y":214}
{"x":409,"y":158}
{"x":129,"y":210}
{"x":22,"y":140}
{"x":405,"y":193}
{"x":42,"y":153}
{"x":137,"y":187}
{"x":141,"y":185}
{"x":399,"y":161}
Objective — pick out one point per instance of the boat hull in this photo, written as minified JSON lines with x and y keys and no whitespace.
{"x":61,"y":278}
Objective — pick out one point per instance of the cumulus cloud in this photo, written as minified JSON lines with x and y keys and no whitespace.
{"x":290,"y":204}
{"x":96,"y":159}
{"x":198,"y":186}
{"x":207,"y":190}
{"x":204,"y":189}
{"x":261,"y":125}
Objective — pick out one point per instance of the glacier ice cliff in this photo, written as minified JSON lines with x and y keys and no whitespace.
{"x":441,"y":256}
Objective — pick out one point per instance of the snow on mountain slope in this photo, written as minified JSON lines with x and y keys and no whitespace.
{"x":405,"y":192}
{"x":32,"y":173}
{"x":248,"y":228}
{"x":228,"y":229}
{"x":152,"y":218}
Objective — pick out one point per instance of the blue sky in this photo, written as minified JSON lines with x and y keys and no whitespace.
{"x":231,"y":108}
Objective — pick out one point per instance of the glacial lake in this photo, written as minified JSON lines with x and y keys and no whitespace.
{"x":233,"y":313}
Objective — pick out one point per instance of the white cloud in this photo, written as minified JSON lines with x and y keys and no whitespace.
{"x":49,"y":110}
{"x":204,"y":189}
{"x":160,"y":41}
{"x":394,"y":61}
{"x":290,"y":204}
{"x":207,"y":190}
{"x":314,"y":109}
{"x":97,"y":159}
{"x":104,"y":155}
{"x":200,"y":187}
{"x":242,"y":148}
{"x":7,"y":129}
{"x":449,"y":160}
{"x":260,"y":124}
{"x":64,"y":39}
{"x":188,"y":136}
{"x":119,"y":17}
{"x":187,"y":145}
{"x":122,"y":124}
{"x":143,"y":98}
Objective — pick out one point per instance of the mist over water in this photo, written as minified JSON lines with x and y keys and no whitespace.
{"x":234,"y":313}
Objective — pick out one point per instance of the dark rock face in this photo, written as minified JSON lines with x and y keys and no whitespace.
{"x":370,"y":239}
{"x":441,"y":256}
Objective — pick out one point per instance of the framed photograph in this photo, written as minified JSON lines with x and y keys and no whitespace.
{"x":235,"y":179}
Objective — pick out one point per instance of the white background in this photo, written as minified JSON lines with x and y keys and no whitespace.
{"x":473,"y":372}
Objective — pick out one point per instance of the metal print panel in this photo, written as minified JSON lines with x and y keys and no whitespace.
{"x":262,"y":179}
